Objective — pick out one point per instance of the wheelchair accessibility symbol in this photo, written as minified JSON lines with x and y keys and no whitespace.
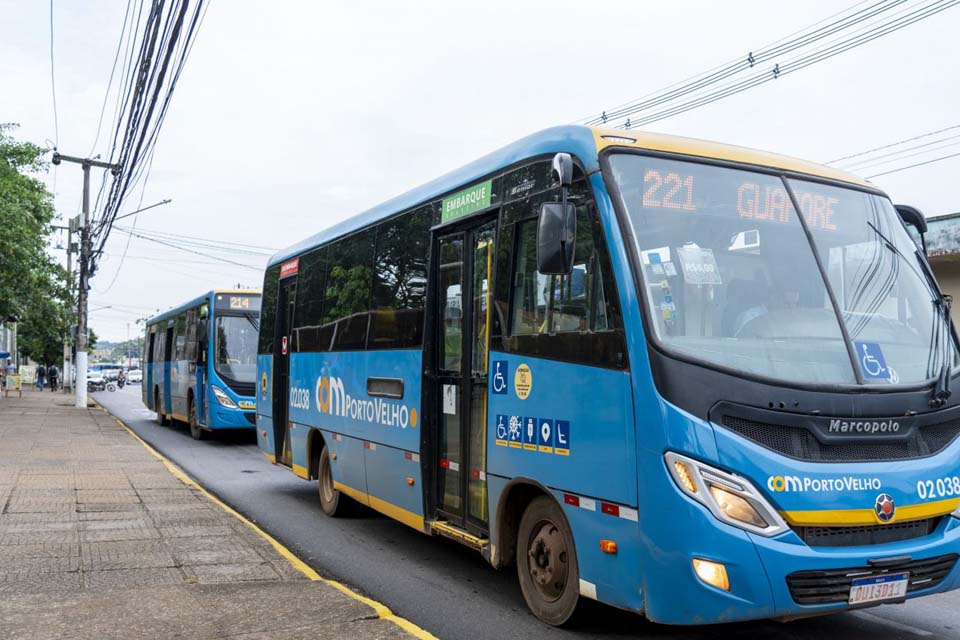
{"x":872,"y":364}
{"x":498,"y":377}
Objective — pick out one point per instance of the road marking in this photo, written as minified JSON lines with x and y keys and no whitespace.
{"x":891,"y":623}
{"x":382,"y":610}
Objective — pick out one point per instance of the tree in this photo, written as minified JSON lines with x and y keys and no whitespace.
{"x":33,"y":287}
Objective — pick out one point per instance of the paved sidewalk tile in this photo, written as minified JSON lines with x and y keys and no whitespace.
{"x":99,"y":540}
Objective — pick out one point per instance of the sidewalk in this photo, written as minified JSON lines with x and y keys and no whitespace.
{"x":98,"y":539}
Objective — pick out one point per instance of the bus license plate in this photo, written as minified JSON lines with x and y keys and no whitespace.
{"x":877,"y":588}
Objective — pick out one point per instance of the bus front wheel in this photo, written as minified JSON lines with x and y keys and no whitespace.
{"x":547,"y":562}
{"x":332,"y":501}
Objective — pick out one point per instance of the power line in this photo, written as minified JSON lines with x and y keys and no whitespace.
{"x":199,"y":253}
{"x":700,"y":92}
{"x":911,"y":166}
{"x":894,"y":144}
{"x":53,"y":85}
{"x":207,"y":241}
{"x":113,"y":69}
{"x":903,"y":154}
{"x":796,"y":64}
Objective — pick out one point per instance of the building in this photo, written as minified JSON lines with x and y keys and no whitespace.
{"x":8,"y":339}
{"x":943,"y":252}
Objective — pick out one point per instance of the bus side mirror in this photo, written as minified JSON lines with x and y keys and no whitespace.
{"x":557,"y":227}
{"x":912,"y":217}
{"x":556,"y":234}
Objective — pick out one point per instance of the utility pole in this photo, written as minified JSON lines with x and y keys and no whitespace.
{"x":73,"y":226}
{"x":83,"y":285}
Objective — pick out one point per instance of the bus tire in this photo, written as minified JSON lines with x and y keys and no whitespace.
{"x":195,"y":431}
{"x":547,"y":562}
{"x":333,"y":503}
{"x":161,"y":419}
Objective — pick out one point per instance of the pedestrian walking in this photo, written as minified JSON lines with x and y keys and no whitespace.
{"x":41,"y":374}
{"x":53,"y":375}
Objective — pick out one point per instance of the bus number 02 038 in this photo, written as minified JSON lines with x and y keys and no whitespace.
{"x":939,"y":488}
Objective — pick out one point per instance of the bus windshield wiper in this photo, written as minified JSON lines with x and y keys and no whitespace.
{"x":941,"y":390}
{"x":253,"y":320}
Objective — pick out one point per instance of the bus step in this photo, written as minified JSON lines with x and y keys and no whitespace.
{"x":447,"y":530}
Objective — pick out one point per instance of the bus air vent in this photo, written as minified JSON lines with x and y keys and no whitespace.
{"x":798,"y":442}
{"x":833,"y":585}
{"x":866,"y":535}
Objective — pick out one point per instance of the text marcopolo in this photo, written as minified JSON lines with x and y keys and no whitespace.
{"x":864,"y":426}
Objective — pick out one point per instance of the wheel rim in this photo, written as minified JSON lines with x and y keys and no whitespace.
{"x":326,"y":482}
{"x":547,"y":560}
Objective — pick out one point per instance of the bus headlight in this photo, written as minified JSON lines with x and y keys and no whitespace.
{"x":223,"y":398}
{"x":729,"y":497}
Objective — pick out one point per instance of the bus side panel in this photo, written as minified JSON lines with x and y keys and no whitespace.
{"x":347,"y":467}
{"x":393,"y":482}
{"x":560,"y":425}
{"x":329,"y":390}
{"x":265,"y":439}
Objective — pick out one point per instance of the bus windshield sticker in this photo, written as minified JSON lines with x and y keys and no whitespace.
{"x":655,"y":256}
{"x":872,"y":363}
{"x":450,"y":399}
{"x":669,"y":269}
{"x":699,"y":265}
{"x":466,"y":202}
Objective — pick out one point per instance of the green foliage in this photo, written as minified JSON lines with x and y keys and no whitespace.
{"x":33,"y":287}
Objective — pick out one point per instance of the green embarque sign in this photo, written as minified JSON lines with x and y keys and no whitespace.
{"x":467,"y":201}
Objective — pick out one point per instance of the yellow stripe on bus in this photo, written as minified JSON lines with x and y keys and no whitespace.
{"x":386,"y":508}
{"x":301,"y":472}
{"x":865,"y":517}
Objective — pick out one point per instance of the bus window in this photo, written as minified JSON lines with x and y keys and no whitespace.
{"x":347,"y":292}
{"x":400,"y":280}
{"x":269,"y":310}
{"x":451,"y":278}
{"x":558,"y":304}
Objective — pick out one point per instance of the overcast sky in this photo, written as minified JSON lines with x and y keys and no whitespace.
{"x":291,"y":116}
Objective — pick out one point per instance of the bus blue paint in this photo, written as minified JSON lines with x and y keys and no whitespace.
{"x":179,"y":381}
{"x":604,"y":421}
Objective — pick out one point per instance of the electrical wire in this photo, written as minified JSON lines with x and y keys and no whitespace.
{"x":911,"y":166}
{"x":894,"y":144}
{"x":113,"y":69}
{"x":702,"y":92}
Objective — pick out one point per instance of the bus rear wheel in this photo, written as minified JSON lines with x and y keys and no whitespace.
{"x":547,"y":562}
{"x":195,"y":431}
{"x":332,"y":501}
{"x":161,"y":419}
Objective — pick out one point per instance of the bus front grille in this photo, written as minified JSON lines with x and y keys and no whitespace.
{"x":866,"y":535}
{"x":798,"y":442}
{"x":833,"y":585}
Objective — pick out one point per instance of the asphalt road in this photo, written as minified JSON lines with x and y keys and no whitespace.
{"x":445,"y":588}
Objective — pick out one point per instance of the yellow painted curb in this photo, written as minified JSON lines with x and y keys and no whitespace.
{"x":382,"y":610}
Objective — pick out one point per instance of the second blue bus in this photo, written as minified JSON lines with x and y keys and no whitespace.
{"x":200,"y":362}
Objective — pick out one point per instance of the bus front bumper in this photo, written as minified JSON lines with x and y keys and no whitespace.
{"x":758,"y":569}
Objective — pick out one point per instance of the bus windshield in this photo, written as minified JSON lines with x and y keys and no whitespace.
{"x":235,"y":349}
{"x":730,"y":277}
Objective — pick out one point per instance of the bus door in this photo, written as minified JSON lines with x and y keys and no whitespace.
{"x":167,"y":357}
{"x":464,"y":267}
{"x":202,"y":346}
{"x":286,"y":297}
{"x":147,"y":368}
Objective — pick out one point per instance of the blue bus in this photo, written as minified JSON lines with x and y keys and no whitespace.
{"x":690,"y":380}
{"x":200,"y":362}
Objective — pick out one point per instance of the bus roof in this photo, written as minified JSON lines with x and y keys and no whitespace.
{"x":585,"y":143}
{"x":205,"y":297}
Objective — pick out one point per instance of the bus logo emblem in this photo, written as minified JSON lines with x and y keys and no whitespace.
{"x":885,"y":508}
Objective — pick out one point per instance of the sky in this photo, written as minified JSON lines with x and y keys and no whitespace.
{"x":291,"y":116}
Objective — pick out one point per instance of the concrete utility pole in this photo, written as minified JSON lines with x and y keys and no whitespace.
{"x":73,"y":226}
{"x":83,"y":285}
